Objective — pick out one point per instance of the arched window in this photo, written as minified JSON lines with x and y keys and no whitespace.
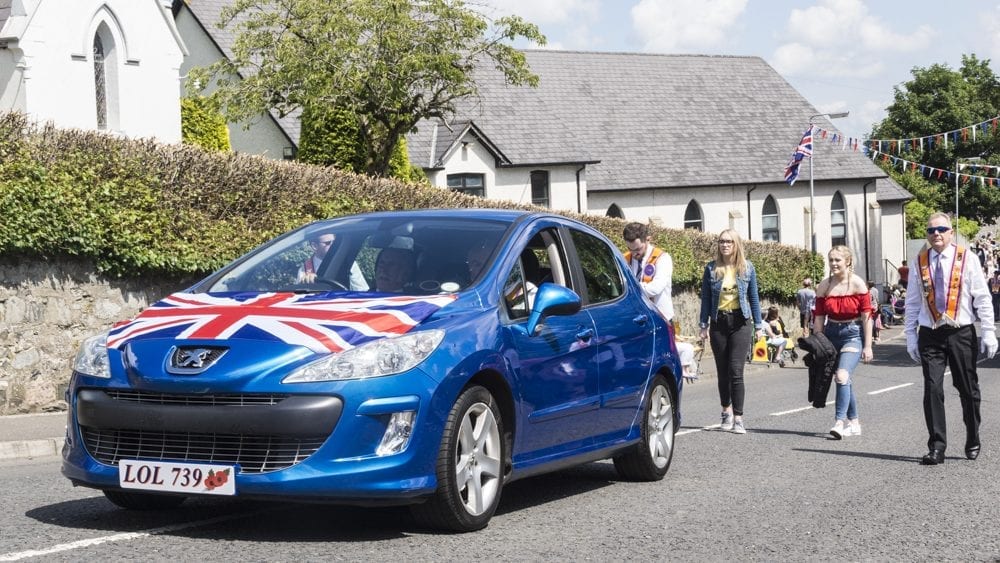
{"x":769,"y":220}
{"x":106,"y":78}
{"x":838,"y":220}
{"x":100,"y":83}
{"x":615,"y":211}
{"x":692,"y":217}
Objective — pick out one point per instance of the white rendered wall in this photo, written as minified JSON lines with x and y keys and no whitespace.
{"x":263,"y":137}
{"x":58,"y":77}
{"x":514,"y":183}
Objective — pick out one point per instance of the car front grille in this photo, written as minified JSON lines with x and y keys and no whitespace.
{"x":234,"y":400}
{"x":254,"y":454}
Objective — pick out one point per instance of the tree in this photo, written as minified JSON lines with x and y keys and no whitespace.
{"x":389,"y":63}
{"x":939,"y":100}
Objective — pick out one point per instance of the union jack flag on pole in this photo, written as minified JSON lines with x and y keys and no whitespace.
{"x":804,"y":150}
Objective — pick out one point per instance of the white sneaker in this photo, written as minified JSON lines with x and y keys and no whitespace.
{"x":853,"y":428}
{"x":738,"y":427}
{"x":727,"y":422}
{"x":838,"y":431}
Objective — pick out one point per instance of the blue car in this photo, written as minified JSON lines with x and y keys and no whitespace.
{"x":421,"y":357}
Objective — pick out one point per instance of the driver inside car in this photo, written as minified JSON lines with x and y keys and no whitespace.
{"x":320,"y":244}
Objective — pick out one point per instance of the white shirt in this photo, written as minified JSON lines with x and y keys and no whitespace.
{"x":658,"y":289}
{"x":974,"y":301}
{"x":357,"y":281}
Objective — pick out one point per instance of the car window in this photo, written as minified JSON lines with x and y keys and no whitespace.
{"x":601,"y":273}
{"x":344,"y":255}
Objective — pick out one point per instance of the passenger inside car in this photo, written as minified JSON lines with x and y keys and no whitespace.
{"x":394,"y":269}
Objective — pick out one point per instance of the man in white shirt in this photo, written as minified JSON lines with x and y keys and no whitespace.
{"x":321,"y":244}
{"x":654,"y":269}
{"x":947,"y":294}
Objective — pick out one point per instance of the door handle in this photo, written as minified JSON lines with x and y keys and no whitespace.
{"x":585,"y":335}
{"x":641,"y":320}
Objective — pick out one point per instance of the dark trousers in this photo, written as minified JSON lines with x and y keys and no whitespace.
{"x":730,"y":339}
{"x":996,"y":307}
{"x":956,"y":348}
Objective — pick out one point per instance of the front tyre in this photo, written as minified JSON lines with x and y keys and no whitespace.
{"x":469,"y":466}
{"x":649,"y":459}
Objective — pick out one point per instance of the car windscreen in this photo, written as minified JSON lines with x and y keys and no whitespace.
{"x":408,"y":255}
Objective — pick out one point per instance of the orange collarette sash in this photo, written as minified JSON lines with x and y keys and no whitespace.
{"x":650,"y":269}
{"x":950,"y":313}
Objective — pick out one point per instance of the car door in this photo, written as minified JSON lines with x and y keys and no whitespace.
{"x":624,"y":332}
{"x":554,"y":369}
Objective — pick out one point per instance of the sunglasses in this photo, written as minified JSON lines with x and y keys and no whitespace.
{"x":940,"y":230}
{"x":725,"y":241}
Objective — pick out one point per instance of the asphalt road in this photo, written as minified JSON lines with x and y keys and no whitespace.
{"x":784,"y":491}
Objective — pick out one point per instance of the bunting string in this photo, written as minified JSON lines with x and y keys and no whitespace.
{"x":932,"y":173}
{"x":928,"y":142}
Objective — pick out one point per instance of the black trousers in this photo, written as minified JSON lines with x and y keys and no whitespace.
{"x":730,"y":339}
{"x":956,"y":348}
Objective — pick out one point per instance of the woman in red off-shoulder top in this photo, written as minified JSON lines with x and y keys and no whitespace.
{"x":843,"y":315}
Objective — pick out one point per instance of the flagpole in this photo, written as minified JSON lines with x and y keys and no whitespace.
{"x":812,"y":191}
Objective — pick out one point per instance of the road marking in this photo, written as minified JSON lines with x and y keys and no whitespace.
{"x":782,"y":413}
{"x":80,"y":544}
{"x":810,"y":407}
{"x":877,"y":391}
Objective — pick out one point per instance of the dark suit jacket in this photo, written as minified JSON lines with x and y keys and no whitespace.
{"x":821,"y":357}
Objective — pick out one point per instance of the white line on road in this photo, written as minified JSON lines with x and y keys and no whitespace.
{"x":893,"y":388}
{"x":810,"y":407}
{"x":15,"y":556}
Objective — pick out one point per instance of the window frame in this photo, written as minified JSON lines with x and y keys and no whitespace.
{"x":464,"y":188}
{"x":838,"y":198}
{"x":697,"y":224}
{"x":770,"y":233}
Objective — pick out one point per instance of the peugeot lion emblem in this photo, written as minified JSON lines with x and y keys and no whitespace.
{"x":191,"y":360}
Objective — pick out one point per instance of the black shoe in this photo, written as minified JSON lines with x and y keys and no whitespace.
{"x":972,"y":452}
{"x":933,"y":457}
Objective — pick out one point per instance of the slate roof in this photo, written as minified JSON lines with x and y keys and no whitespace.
{"x":5,"y":8}
{"x":207,"y":13}
{"x":652,"y":121}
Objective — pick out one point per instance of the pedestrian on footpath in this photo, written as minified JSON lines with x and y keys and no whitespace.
{"x":806,"y":298}
{"x":995,"y":294}
{"x":730,"y":305}
{"x":940,"y":333}
{"x":843,"y":315}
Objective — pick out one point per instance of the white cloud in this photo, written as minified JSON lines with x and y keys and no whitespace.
{"x":801,"y":59}
{"x":542,"y":12}
{"x":843,"y":39}
{"x":672,"y":26}
{"x":990,"y":22}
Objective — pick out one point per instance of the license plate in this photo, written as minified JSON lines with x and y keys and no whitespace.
{"x":191,"y":478}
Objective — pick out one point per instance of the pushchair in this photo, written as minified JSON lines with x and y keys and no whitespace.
{"x":894,"y":312}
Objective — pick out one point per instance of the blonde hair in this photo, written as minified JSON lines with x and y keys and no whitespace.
{"x":848,"y":257}
{"x":739,"y":256}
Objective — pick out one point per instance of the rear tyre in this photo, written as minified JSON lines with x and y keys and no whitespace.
{"x":650,"y":458}
{"x":143,"y":501}
{"x":469,"y":466}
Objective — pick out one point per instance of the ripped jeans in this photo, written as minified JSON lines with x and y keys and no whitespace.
{"x":846,"y":338}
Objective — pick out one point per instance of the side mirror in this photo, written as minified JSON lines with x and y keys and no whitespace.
{"x":552,"y":299}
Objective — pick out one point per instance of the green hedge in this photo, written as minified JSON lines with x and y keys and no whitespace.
{"x":136,"y":207}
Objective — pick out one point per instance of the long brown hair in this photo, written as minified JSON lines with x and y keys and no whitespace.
{"x":739,"y":256}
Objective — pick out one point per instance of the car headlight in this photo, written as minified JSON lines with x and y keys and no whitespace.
{"x":92,"y":359}
{"x":386,"y":356}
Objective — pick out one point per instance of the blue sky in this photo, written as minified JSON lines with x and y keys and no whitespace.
{"x":839,"y":54}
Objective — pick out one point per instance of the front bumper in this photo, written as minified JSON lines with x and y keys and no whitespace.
{"x":292,"y":446}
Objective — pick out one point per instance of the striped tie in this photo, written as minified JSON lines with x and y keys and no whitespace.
{"x":940,"y":291}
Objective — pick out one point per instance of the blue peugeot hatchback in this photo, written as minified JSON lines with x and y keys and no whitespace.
{"x":420,"y":357}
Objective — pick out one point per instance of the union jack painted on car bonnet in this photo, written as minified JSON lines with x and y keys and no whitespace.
{"x":321,"y":324}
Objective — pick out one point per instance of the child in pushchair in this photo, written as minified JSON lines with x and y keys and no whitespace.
{"x":779,"y":346}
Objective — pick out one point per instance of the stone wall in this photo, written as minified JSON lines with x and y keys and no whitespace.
{"x":46,"y":310}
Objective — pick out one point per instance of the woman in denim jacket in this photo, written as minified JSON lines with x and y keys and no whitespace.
{"x":729,"y":299}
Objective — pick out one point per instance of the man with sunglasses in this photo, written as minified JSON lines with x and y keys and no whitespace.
{"x":948,"y":293}
{"x":320,"y":244}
